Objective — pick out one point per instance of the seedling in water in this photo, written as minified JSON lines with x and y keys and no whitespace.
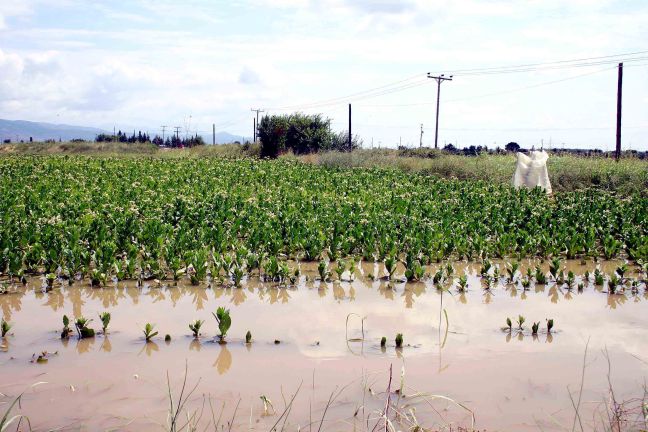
{"x":512,"y":270}
{"x":520,"y":321}
{"x":66,"y":328}
{"x":266,"y":403}
{"x":621,"y":270}
{"x":224,"y":320}
{"x":167,"y":338}
{"x":383,"y":341}
{"x":248,"y":337}
{"x":540,"y":276}
{"x":463,"y":282}
{"x":599,"y":279}
{"x":195,"y":327}
{"x":534,"y":328}
{"x":526,"y":283}
{"x":4,"y":328}
{"x":322,"y":269}
{"x":82,"y":328}
{"x":390,"y":266}
{"x":554,"y":267}
{"x":340,"y":269}
{"x":352,"y":268}
{"x":550,"y":324}
{"x":613,"y":283}
{"x":485,"y":268}
{"x":509,"y":324}
{"x":105,"y":320}
{"x":571,"y":278}
{"x":399,"y":340}
{"x":149,"y":333}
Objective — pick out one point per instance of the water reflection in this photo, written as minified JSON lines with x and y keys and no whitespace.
{"x":84,"y":345}
{"x":149,"y":348}
{"x":106,"y":346}
{"x":224,"y":360}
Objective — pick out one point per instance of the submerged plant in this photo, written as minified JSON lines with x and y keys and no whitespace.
{"x":399,"y":340}
{"x":509,"y":324}
{"x":148,"y":332}
{"x":390,"y":266}
{"x":105,"y":321}
{"x":82,"y":328}
{"x":248,"y":337}
{"x":520,"y":321}
{"x":463,"y":282}
{"x":66,"y":328}
{"x":224,"y":321}
{"x":554,"y":267}
{"x":4,"y":327}
{"x":383,"y":341}
{"x":195,"y":327}
{"x":550,"y":324}
{"x":322,"y":269}
{"x":599,"y":279}
{"x":534,"y":328}
{"x":512,"y":270}
{"x":571,"y":279}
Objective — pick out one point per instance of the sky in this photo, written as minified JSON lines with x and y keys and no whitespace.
{"x":147,"y":63}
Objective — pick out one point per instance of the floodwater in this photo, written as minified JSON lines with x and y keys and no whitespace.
{"x":509,"y":381}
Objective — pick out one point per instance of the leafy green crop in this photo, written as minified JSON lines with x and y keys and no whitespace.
{"x":109,"y":219}
{"x":224,"y":320}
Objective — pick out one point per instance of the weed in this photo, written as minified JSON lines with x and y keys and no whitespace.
{"x":383,"y":341}
{"x":550,"y":324}
{"x":534,"y":328}
{"x":248,"y":337}
{"x":509,"y":324}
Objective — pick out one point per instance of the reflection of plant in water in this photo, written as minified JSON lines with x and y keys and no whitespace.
{"x":224,"y":360}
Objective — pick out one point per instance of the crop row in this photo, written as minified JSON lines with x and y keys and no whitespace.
{"x":123,"y":217}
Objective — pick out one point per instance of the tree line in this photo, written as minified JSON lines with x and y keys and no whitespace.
{"x":173,"y":141}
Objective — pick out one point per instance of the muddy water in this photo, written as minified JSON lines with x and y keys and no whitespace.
{"x":510,"y":382}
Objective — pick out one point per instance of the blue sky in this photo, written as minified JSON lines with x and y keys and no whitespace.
{"x":144,"y":63}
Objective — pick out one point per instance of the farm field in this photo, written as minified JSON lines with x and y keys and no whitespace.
{"x":299,"y":254}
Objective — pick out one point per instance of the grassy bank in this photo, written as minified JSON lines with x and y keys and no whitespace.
{"x":567,"y":173}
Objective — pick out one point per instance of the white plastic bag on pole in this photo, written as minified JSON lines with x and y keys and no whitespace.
{"x":532,"y":171}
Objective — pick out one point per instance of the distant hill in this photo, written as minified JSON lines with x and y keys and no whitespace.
{"x":225,"y":138}
{"x":17,"y":130}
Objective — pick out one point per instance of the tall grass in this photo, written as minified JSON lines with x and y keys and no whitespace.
{"x":566,"y":172}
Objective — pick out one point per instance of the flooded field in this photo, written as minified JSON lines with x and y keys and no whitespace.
{"x":457,"y":365}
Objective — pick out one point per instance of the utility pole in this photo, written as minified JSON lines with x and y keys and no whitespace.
{"x":258,"y":110}
{"x":349,"y":127}
{"x":213,"y":133}
{"x":254,"y":128}
{"x":421,"y":141}
{"x":177,"y":131}
{"x":618,"y":123}
{"x":163,"y":130}
{"x":439,"y":79}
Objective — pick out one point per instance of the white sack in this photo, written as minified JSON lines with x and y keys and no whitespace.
{"x":532,"y":171}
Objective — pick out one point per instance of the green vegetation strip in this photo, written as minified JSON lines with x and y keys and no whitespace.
{"x":125,"y":217}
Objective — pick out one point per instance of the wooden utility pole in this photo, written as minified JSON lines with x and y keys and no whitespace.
{"x":163,"y":130}
{"x":257,"y":110}
{"x":177,"y":130}
{"x":214,"y":133}
{"x":254,"y":129}
{"x":439,"y":79}
{"x":349,"y":127}
{"x":421,"y":141}
{"x":618,"y":123}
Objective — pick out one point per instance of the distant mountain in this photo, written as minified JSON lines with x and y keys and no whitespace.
{"x":225,"y":138}
{"x":17,"y":130}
